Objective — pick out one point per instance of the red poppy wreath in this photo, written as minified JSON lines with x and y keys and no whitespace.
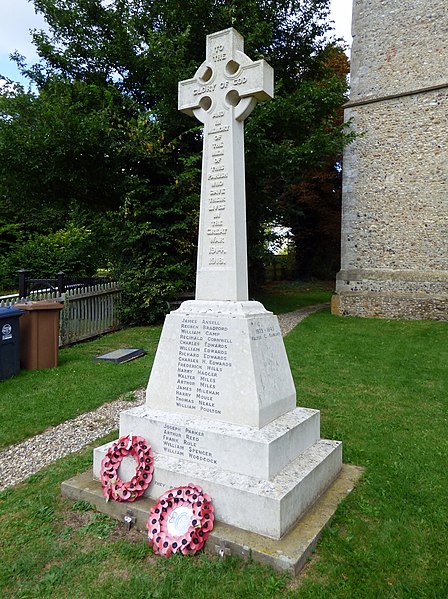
{"x":180,"y":521}
{"x":113,"y":486}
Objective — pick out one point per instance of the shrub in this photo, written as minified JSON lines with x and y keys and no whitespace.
{"x":148,"y":288}
{"x":72,"y":250}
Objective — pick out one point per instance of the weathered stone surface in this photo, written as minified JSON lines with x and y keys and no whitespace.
{"x":397,"y":47}
{"x":243,"y":449}
{"x":389,"y":306}
{"x":222,"y":93}
{"x":290,"y":553}
{"x":266,"y":507}
{"x":222,"y":360}
{"x":394,"y":260}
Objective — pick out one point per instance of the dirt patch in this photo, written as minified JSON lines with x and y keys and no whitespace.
{"x":131,"y":536}
{"x":75,"y":520}
{"x":297,"y":581}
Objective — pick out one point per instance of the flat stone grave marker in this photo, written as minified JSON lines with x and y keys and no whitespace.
{"x":119,"y":356}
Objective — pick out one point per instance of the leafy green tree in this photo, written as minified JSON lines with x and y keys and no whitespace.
{"x":107,"y":91}
{"x":303,"y":160}
{"x":59,"y":148}
{"x":78,"y":147}
{"x":70,"y":250}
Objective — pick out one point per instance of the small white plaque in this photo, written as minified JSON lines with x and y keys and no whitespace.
{"x":179,"y":521}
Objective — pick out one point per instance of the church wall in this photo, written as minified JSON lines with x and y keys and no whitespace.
{"x":395,"y":182}
{"x":398,"y":46}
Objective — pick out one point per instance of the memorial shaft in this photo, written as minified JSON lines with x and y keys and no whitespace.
{"x":223,"y":92}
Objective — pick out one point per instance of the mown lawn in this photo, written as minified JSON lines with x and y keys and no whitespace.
{"x":382,"y":389}
{"x":35,"y":399}
{"x":286,"y":296}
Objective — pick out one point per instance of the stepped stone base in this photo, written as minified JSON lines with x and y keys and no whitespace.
{"x":256,"y":452}
{"x":266,"y":507}
{"x":221,"y":413}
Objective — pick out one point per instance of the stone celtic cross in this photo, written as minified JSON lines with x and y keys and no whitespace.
{"x":223,"y":92}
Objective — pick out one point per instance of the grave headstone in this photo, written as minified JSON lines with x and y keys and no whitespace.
{"x":220,"y":407}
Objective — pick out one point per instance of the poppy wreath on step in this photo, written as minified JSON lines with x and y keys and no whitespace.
{"x":113,"y":486}
{"x":180,"y":521}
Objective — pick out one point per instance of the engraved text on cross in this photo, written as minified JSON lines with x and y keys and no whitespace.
{"x":223,"y":92}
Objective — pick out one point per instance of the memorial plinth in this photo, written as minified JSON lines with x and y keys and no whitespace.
{"x":220,"y":407}
{"x":230,"y":364}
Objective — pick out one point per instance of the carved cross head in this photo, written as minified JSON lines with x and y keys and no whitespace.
{"x":227,"y":80}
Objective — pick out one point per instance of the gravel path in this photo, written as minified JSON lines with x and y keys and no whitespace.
{"x":290,"y":320}
{"x":37,"y":452}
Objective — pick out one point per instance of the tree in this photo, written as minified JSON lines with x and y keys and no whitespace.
{"x":59,"y":148}
{"x":308,"y":172}
{"x":107,"y":85}
{"x":312,"y":208}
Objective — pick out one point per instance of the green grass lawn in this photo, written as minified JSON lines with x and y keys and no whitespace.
{"x":35,"y":399}
{"x":381,"y":387}
{"x":287,"y":296}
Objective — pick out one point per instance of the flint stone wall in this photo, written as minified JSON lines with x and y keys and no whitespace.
{"x":395,"y":201}
{"x":398,"y":47}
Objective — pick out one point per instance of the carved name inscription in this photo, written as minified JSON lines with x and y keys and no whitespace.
{"x":260,"y":331}
{"x":187,"y":443}
{"x":204,"y":357}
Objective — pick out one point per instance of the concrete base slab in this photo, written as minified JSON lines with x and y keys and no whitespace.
{"x":289,"y":553}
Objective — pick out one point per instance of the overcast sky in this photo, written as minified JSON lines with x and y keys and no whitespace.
{"x":17,"y":17}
